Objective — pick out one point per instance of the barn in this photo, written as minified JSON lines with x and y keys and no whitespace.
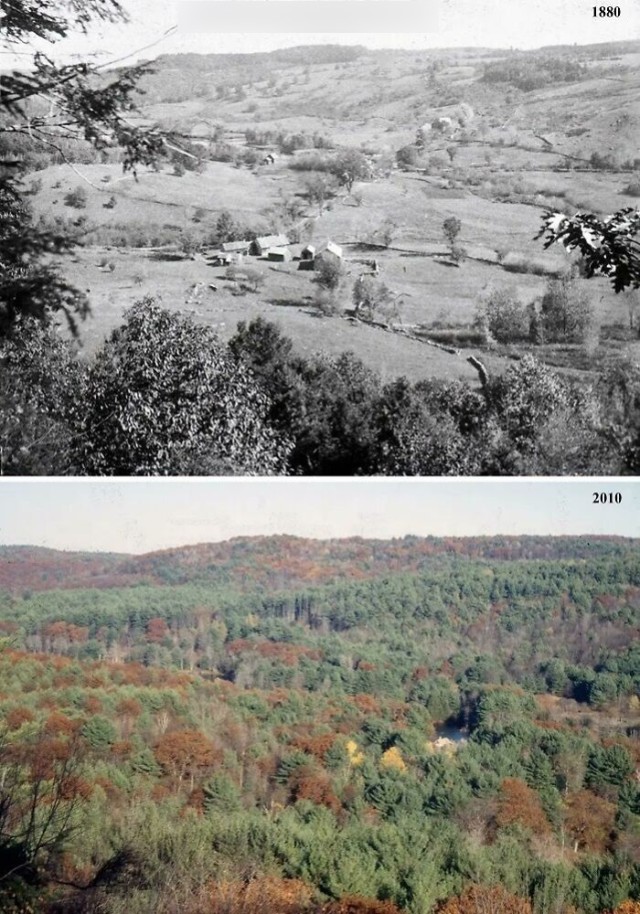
{"x":235,"y":247}
{"x":279,"y":255}
{"x":260,"y":246}
{"x":330,"y":251}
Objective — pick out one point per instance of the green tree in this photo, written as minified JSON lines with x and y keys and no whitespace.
{"x":83,"y":103}
{"x":505,"y":316}
{"x":30,"y":284}
{"x":566,"y":311}
{"x":608,"y":765}
{"x":371,"y":296}
{"x":608,"y":246}
{"x":225,"y":228}
{"x":38,"y":416}
{"x":99,"y":733}
{"x":221,"y":794}
{"x":329,"y":273}
{"x":320,"y":188}
{"x":451,"y":228}
{"x":350,"y":166}
{"x":164,"y":396}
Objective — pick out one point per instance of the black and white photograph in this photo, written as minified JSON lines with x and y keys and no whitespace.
{"x":232,"y":249}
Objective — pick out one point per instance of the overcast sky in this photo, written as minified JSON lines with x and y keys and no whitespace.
{"x":487,"y":23}
{"x":140,"y":515}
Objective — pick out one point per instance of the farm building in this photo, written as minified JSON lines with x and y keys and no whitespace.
{"x":329,"y":251}
{"x":445,"y":119}
{"x":260,"y":246}
{"x":308,"y":252}
{"x":235,"y":247}
{"x":280,"y":255}
{"x":222,"y":259}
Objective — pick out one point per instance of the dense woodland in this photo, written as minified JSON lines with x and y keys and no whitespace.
{"x":252,"y":726}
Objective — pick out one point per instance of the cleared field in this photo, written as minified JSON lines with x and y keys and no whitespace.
{"x":375,"y":102}
{"x":155,"y":197}
{"x":112,"y":293}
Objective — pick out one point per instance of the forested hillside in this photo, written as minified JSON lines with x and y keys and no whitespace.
{"x":274,"y":560}
{"x":275,"y":724}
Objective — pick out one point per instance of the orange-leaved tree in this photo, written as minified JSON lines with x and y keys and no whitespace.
{"x":356,"y":904}
{"x":261,"y":894}
{"x":518,"y":804}
{"x":486,"y":899}
{"x":185,"y":754}
{"x":589,"y":820}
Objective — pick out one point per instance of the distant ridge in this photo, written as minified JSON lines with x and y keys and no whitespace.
{"x":279,"y":561}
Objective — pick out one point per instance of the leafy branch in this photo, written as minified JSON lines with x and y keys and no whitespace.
{"x":607,"y":246}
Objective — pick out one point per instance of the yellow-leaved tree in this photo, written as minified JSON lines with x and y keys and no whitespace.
{"x":392,"y":760}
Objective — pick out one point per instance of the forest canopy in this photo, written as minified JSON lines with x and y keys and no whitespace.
{"x":436,"y":725}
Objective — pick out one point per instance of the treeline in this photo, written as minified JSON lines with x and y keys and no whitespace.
{"x":283,"y":561}
{"x":563,"y":627}
{"x":534,"y":71}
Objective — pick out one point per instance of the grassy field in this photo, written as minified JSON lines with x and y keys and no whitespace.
{"x":496,"y":180}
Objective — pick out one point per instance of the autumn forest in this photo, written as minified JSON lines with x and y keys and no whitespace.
{"x":275,"y":725}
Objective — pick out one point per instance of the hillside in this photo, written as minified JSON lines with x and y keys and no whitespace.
{"x":275,"y":561}
{"x":413,"y":726}
{"x":553,"y":128}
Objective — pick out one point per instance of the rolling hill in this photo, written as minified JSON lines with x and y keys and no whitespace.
{"x":554,"y":128}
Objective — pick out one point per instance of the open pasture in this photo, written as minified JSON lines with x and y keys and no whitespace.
{"x":496,"y":177}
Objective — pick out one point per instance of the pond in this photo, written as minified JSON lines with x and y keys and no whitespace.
{"x":450,"y":731}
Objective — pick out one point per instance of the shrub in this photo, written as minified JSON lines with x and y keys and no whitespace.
{"x":408,"y":156}
{"x":505,"y":315}
{"x":329,"y":273}
{"x":518,"y":263}
{"x":310,"y":161}
{"x":77,"y":198}
{"x":326,"y":303}
{"x":633,"y":187}
{"x":458,"y":253}
{"x":458,"y":336}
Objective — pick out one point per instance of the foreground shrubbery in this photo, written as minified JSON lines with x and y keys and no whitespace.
{"x":165,"y":396}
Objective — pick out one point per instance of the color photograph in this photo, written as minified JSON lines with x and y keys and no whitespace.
{"x":319,"y":697}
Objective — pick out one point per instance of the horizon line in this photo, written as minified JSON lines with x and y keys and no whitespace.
{"x":325,"y":539}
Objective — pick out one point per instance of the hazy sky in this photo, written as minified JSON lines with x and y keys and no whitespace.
{"x":146,"y":514}
{"x":490,"y":23}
